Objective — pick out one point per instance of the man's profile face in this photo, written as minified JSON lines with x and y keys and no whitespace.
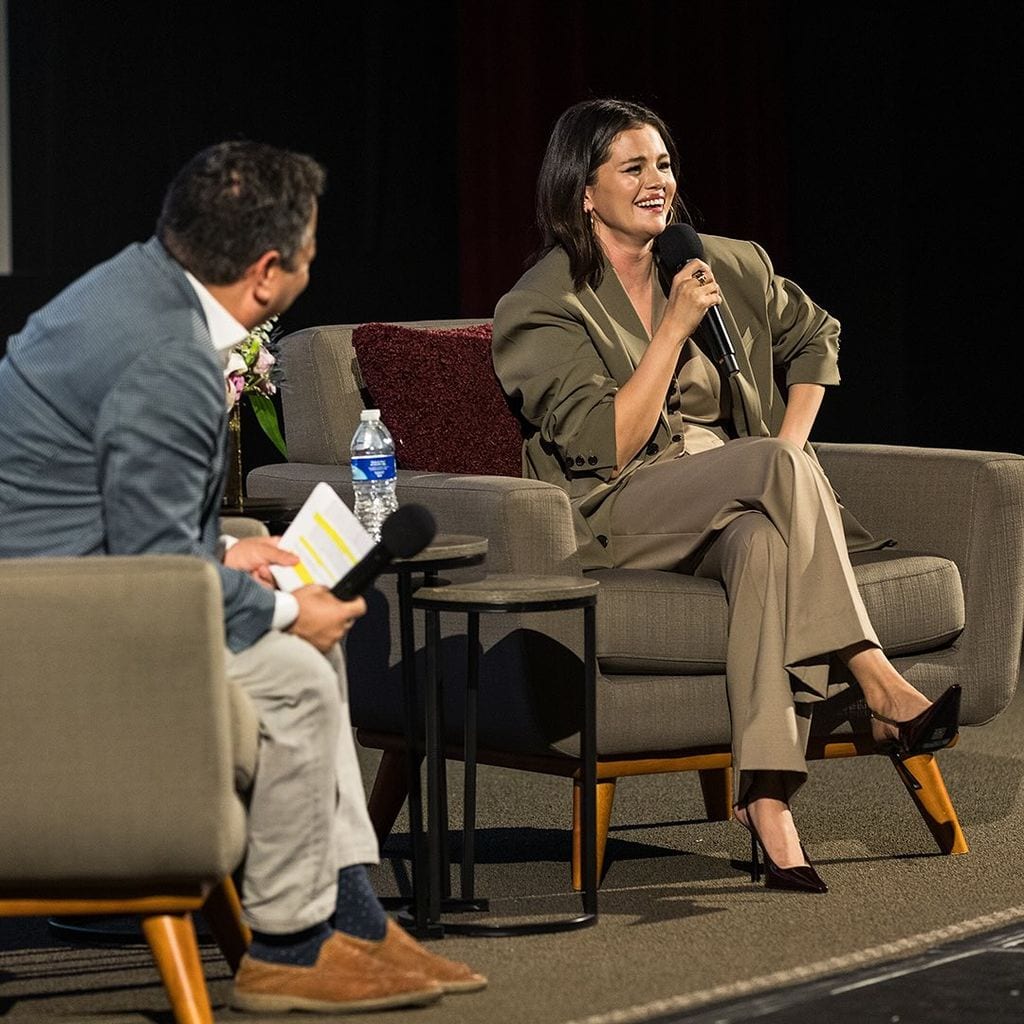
{"x":290,"y":284}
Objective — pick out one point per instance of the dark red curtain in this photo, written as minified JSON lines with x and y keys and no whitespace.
{"x":714,"y":72}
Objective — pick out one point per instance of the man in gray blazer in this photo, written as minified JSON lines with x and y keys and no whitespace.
{"x":112,"y":442}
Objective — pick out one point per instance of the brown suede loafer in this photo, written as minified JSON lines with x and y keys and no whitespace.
{"x":344,"y":979}
{"x":400,"y":951}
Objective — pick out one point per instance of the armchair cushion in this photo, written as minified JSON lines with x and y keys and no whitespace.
{"x":437,"y":393}
{"x":663,"y":623}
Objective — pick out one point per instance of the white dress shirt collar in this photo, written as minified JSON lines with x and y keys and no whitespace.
{"x":225,"y":330}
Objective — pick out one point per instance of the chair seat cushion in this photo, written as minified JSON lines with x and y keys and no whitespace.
{"x":665,"y":623}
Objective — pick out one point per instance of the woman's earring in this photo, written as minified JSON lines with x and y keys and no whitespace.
{"x":671,"y":216}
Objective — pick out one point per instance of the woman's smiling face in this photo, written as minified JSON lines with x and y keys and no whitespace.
{"x":633,"y":190}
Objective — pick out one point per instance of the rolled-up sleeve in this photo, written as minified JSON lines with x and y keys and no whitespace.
{"x":805,"y":338}
{"x":549,"y":368}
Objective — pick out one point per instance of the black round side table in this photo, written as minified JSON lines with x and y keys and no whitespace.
{"x":512,"y":593}
{"x":446,"y":551}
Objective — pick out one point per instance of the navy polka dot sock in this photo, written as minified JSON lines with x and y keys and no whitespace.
{"x":299,"y":949}
{"x":359,"y":912}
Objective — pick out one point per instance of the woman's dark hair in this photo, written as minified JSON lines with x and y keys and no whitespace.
{"x":235,"y":201}
{"x":580,"y":142}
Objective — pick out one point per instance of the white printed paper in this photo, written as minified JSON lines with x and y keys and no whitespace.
{"x":326,"y":537}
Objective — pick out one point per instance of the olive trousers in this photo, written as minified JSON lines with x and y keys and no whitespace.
{"x":759,"y":515}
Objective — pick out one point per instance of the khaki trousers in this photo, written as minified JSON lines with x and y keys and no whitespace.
{"x":759,"y":515}
{"x":307,"y":812}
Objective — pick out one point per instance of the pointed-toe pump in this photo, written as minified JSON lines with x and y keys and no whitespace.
{"x":802,"y":878}
{"x":936,"y":727}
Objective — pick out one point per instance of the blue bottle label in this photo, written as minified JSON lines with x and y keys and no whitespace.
{"x":370,"y":468}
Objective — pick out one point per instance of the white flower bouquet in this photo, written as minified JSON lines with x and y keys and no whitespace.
{"x":252,"y":371}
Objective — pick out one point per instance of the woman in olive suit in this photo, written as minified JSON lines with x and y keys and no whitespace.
{"x":670,"y":464}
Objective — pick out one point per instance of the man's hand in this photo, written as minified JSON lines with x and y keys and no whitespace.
{"x":255,"y":555}
{"x":323,"y":619}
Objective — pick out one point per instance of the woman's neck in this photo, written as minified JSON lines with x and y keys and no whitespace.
{"x":632,"y":262}
{"x":632,"y":265}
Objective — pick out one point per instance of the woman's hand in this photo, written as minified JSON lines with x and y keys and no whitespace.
{"x":694,"y":291}
{"x":639,"y":401}
{"x":802,"y":404}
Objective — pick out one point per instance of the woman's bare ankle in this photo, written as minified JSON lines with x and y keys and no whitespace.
{"x":765,"y":809}
{"x":773,"y":822}
{"x":885,"y":690}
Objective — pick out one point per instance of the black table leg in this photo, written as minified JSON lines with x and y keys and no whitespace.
{"x":441,"y":807}
{"x":588,"y":750}
{"x":434,"y":755}
{"x":588,"y":813}
{"x":419,"y":925}
{"x":469,"y":756}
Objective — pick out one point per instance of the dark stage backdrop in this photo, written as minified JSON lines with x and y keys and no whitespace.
{"x":870,"y":150}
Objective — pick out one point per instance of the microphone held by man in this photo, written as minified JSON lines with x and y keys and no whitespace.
{"x":404,"y":534}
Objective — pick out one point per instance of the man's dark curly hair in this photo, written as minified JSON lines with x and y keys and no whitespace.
{"x":233,"y":202}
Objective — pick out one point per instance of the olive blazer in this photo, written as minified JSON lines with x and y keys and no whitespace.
{"x":562,"y":354}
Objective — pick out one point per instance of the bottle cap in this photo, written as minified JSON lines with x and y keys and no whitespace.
{"x":369,"y":415}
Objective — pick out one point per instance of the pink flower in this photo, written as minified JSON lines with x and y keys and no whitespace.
{"x":234,"y":386}
{"x":264,"y":361}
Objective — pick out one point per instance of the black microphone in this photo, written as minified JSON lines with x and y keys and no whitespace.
{"x":675,"y":247}
{"x":406,"y":532}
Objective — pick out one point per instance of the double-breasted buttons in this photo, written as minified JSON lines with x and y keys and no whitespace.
{"x":652,"y":448}
{"x":580,"y":461}
{"x":676,"y":438}
{"x":592,"y":460}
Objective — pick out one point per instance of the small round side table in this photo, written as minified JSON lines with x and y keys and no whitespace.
{"x":513,"y":593}
{"x":446,"y":551}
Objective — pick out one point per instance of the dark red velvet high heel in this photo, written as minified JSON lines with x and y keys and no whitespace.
{"x":936,"y":727}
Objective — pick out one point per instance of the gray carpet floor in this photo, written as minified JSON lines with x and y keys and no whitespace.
{"x":681,"y":925}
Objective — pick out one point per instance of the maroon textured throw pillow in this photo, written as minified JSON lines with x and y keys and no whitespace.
{"x":438,"y":395}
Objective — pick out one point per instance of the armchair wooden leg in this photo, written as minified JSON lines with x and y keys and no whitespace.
{"x":926,"y":787}
{"x":716,"y":785}
{"x":605,"y":799}
{"x":223,"y":913}
{"x":172,"y":938}
{"x":390,"y":791}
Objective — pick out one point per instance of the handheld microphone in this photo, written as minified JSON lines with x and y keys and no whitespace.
{"x":406,"y":532}
{"x":676,"y":246}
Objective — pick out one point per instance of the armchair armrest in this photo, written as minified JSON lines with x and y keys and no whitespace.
{"x":242,"y":526}
{"x":528,"y":523}
{"x":967,"y":506}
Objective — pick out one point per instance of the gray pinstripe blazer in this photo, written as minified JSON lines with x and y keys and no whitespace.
{"x":112,"y":427}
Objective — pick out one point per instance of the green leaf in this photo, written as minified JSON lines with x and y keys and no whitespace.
{"x":266,"y":414}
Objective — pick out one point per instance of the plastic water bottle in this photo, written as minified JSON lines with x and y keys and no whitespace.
{"x":373,"y":472}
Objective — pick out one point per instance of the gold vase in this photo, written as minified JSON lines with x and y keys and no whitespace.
{"x":233,"y":497}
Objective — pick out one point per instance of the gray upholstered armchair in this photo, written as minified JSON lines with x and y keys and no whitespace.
{"x":948,"y":604}
{"x":123,"y":752}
